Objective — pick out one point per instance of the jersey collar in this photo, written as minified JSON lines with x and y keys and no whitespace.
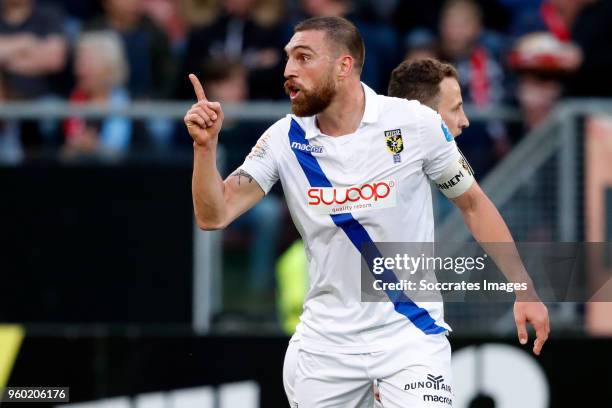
{"x":370,"y":114}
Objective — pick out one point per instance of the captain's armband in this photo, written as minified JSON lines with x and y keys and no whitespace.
{"x":456,"y":179}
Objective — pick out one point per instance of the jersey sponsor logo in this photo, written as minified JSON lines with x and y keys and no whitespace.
{"x":437,"y":398}
{"x":338,"y":200}
{"x":306,"y":147}
{"x":394,"y":141}
{"x":431,"y":383}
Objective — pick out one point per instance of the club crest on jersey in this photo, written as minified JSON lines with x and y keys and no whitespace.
{"x":395,"y":144}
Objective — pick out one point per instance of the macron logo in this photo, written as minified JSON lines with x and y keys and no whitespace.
{"x":306,"y":147}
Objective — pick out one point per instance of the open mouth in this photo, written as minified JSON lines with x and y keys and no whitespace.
{"x":292,"y":90}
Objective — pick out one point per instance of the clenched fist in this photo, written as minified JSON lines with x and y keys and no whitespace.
{"x":205,"y":118}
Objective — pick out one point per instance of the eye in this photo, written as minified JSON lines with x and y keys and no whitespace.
{"x":304,"y":57}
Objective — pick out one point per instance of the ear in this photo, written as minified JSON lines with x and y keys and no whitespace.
{"x":345,"y":66}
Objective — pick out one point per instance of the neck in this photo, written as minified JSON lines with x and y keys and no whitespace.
{"x":344,"y":114}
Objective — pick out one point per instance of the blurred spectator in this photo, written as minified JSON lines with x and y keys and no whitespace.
{"x":477,"y":55}
{"x":541,"y":61}
{"x":292,"y":282}
{"x":146,"y":46}
{"x":204,"y":12}
{"x":11,"y":151}
{"x":413,"y":14}
{"x":227,"y":80}
{"x":236,"y":34}
{"x":475,"y":51}
{"x":587,"y":24}
{"x":197,"y":13}
{"x":542,"y":51}
{"x":101,"y":72}
{"x":227,"y":83}
{"x":167,"y":14}
{"x":590,"y":25}
{"x":537,"y":94}
{"x":78,"y":9}
{"x":420,"y":44}
{"x":381,"y":41}
{"x":525,"y":16}
{"x":32,"y":47}
{"x":380,"y":11}
{"x":77,"y":12}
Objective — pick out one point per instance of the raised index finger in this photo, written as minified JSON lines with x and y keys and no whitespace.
{"x":197,"y":87}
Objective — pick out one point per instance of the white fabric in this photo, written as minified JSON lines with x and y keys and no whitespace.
{"x":415,"y":374}
{"x":334,"y":318}
{"x":456,"y":179}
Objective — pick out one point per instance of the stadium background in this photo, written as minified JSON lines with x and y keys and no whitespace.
{"x":109,"y":288}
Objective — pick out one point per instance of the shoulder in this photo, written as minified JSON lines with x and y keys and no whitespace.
{"x":402,"y":111}
{"x":281,"y":127}
{"x":412,"y":114}
{"x":276,"y":133}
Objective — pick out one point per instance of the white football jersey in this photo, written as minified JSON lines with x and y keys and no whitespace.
{"x":342,"y":192}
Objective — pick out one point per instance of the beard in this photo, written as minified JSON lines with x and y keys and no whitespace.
{"x":312,"y":102}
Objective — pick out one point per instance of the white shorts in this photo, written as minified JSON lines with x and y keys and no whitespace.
{"x":416,"y":374}
{"x":290,"y":370}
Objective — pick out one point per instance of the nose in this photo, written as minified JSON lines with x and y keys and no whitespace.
{"x":290,"y":71}
{"x":464,"y":122}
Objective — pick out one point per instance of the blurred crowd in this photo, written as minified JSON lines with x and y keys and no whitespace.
{"x":522,"y":53}
{"x":527,"y":53}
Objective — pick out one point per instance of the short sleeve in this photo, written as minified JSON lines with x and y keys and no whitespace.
{"x":439,"y":147}
{"x":261,"y":163}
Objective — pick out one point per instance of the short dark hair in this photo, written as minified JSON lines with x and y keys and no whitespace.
{"x":340,"y":31}
{"x":420,"y":80}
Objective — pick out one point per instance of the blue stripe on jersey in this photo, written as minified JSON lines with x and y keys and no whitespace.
{"x":447,"y":134}
{"x":360,"y":237}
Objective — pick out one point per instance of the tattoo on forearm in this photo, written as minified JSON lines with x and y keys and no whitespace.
{"x":241,"y":173}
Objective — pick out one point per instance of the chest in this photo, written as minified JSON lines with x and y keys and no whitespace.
{"x":368,"y":170}
{"x":365,"y":156}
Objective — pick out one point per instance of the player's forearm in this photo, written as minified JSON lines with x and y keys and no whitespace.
{"x":207,"y":189}
{"x":490,"y":230}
